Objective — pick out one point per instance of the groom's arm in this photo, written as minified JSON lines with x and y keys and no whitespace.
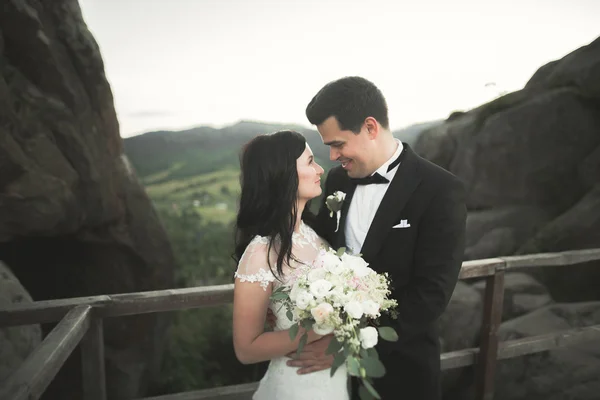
{"x":437,"y":261}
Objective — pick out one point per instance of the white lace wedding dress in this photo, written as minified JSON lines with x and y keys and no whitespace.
{"x":280,"y":381}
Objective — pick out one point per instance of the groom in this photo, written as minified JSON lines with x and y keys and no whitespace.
{"x":405,"y":215}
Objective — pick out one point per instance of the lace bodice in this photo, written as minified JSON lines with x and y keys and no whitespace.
{"x":254,"y":263}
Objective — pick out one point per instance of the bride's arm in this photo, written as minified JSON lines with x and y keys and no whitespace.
{"x":251,"y":343}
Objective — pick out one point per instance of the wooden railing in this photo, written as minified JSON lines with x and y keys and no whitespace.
{"x":81,"y":322}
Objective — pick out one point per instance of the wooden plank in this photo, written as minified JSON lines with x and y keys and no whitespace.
{"x":449,"y":360}
{"x":459,"y":359}
{"x":40,"y":368}
{"x":550,"y":341}
{"x":40,"y":312}
{"x":571,"y":257}
{"x":118,"y":304}
{"x":492,"y":317}
{"x":206,"y":296}
{"x":480,"y":268}
{"x":233,"y":392}
{"x":92,"y":362}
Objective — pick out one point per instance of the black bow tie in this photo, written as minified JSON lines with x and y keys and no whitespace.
{"x":376,"y":177}
{"x":368,"y":180}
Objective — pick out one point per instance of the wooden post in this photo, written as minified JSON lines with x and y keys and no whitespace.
{"x":92,"y":362}
{"x":488,"y":350}
{"x":39,"y":369}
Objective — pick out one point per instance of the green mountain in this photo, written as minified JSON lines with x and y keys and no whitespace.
{"x":166,"y":155}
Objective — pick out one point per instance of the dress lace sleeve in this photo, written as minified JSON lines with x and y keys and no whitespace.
{"x":253,"y":266}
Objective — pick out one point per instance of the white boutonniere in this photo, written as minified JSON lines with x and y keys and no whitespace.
{"x":334,"y":204}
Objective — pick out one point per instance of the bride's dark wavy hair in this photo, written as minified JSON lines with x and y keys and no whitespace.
{"x":268,"y":203}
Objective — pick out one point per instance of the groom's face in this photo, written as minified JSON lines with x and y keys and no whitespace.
{"x":352,"y":150}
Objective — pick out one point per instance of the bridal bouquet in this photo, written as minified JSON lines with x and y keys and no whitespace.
{"x":343,"y":296}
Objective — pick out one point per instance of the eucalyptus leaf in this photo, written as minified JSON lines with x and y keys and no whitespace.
{"x":334,"y":347}
{"x":293,"y":331}
{"x":364,"y":394}
{"x":388,"y":334}
{"x":372,"y":352}
{"x":340,"y":251}
{"x":338,"y":360}
{"x":371,"y":389}
{"x":373,"y":367}
{"x":353,"y":366}
{"x":303,"y":340}
{"x":290,"y":315}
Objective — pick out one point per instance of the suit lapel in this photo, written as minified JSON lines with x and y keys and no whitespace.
{"x":401,"y":188}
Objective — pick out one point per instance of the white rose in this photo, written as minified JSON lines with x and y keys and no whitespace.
{"x":331,"y":262}
{"x":323,"y":329}
{"x":368,"y":337}
{"x":336,"y":281}
{"x":303,"y":299}
{"x":354,"y":309}
{"x":321,"y":312}
{"x":356,"y":264}
{"x":370,"y":308}
{"x":316,"y":274}
{"x":320,"y":288}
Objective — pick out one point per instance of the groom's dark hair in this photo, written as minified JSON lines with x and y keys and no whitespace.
{"x":350,"y":100}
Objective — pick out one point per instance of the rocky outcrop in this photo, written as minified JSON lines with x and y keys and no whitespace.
{"x":16,"y":342}
{"x":530,"y":161}
{"x":566,"y":373}
{"x":74,"y":220}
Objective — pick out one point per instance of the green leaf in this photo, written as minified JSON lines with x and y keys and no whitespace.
{"x":293,"y":331}
{"x":340,"y":251}
{"x":353,"y":366}
{"x":372,"y":352}
{"x":290,"y":315}
{"x":303,"y":340}
{"x":307,"y":324}
{"x":371,"y":389}
{"x":279,"y":296}
{"x":334,"y":347}
{"x":364,"y":393}
{"x":388,"y":334}
{"x":338,"y":360}
{"x":373,"y":367}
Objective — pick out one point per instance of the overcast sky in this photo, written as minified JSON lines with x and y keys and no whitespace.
{"x":174,"y":64}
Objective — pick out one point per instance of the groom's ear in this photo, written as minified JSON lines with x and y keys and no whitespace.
{"x":372,"y":127}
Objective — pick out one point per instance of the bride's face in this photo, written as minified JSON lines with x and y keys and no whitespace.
{"x":309,"y":175}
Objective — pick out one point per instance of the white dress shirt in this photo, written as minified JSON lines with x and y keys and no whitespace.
{"x":364,"y":205}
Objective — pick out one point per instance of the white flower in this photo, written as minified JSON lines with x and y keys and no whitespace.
{"x":368,"y":337}
{"x":316,"y":274}
{"x":320,"y":288}
{"x":303,"y":299}
{"x":332,"y":263}
{"x":336,"y":281}
{"x":294,"y":292}
{"x":321,"y":312}
{"x":323,"y":329}
{"x":356,"y":264}
{"x":370,"y":308}
{"x":335,"y":200}
{"x":360,"y":296}
{"x":354,"y":309}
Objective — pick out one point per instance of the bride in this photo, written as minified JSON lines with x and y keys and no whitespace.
{"x":275,"y":243}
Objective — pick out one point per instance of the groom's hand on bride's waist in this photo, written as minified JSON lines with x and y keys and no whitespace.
{"x":313,"y":357}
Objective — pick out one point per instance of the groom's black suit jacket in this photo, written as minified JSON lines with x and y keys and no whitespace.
{"x":423,"y":262}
